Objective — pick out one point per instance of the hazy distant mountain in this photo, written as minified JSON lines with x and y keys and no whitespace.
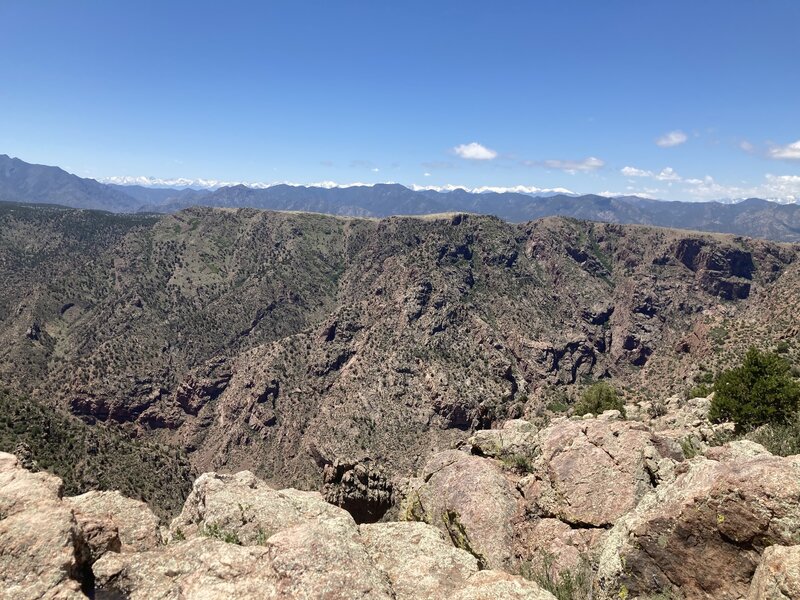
{"x":23,"y":182}
{"x":753,"y":217}
{"x":151,"y":196}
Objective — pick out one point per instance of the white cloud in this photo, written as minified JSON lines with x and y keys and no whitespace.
{"x":573,"y":166}
{"x":475,"y":151}
{"x":778,"y":188}
{"x":634,"y":172}
{"x":673,"y":138}
{"x":375,"y":170}
{"x":668,"y":174}
{"x":787,"y":152}
{"x":426,"y":174}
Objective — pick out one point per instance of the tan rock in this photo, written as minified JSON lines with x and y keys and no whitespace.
{"x":325,"y":559}
{"x":517,"y":438}
{"x":198,"y":569}
{"x":21,"y":489}
{"x":42,"y":553}
{"x":593,"y":471}
{"x":313,"y":560}
{"x":246,"y":508}
{"x":138,"y":527}
{"x":491,"y":585}
{"x":778,"y":575}
{"x":469,"y":499}
{"x":420,"y":562}
{"x":565,"y":548}
{"x":704,"y":532}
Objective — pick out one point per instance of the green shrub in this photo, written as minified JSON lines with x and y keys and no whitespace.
{"x":699,"y":391}
{"x":758,"y":392}
{"x":781,"y":439}
{"x":598,"y":398}
{"x":567,"y":584}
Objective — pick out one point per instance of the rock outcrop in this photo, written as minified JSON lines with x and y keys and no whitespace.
{"x":137,"y":526}
{"x":236,"y":538}
{"x":778,"y":575}
{"x":43,"y":552}
{"x":704,"y":533}
{"x":591,"y":472}
{"x":470,"y":499}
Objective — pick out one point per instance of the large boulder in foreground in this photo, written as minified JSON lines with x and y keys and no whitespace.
{"x":422,"y":564}
{"x":704,"y":533}
{"x":136,"y":524}
{"x":197,"y":568}
{"x":591,"y":472}
{"x":418,"y":559}
{"x":778,"y":575}
{"x":246,"y":509}
{"x":42,"y":553}
{"x":470,"y":499}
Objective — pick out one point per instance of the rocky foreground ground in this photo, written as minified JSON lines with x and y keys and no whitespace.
{"x":625,"y":508}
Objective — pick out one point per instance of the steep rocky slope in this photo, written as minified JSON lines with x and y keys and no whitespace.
{"x":321,"y":350}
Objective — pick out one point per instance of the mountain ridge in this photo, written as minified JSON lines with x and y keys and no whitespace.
{"x":753,"y":217}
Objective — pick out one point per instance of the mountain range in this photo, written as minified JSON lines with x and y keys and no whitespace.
{"x":24,"y":182}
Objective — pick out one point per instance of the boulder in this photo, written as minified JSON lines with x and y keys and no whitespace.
{"x":554,"y":545}
{"x":470,"y":499}
{"x":419,"y":560}
{"x":325,"y":559}
{"x":517,"y":439}
{"x":705,"y":532}
{"x":778,"y":575}
{"x":491,"y":585}
{"x":42,"y":550}
{"x":247,"y":540}
{"x":246,"y":509}
{"x":592,"y":471}
{"x":136,"y":524}
{"x":201,"y":568}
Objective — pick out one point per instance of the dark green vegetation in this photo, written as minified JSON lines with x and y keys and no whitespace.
{"x":89,"y":458}
{"x":598,"y":398}
{"x":761,"y":391}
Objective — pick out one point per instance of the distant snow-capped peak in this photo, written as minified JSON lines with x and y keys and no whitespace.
{"x":213,"y":184}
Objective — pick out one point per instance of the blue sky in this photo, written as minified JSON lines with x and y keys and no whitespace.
{"x":678,"y":100}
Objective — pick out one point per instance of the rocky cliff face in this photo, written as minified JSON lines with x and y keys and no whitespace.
{"x":317,"y":350}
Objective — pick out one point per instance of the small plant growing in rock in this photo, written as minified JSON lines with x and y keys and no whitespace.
{"x":781,"y":439}
{"x":758,"y":392}
{"x":517,"y":462}
{"x":598,"y":398}
{"x":214,"y":531}
{"x":566,"y":584}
